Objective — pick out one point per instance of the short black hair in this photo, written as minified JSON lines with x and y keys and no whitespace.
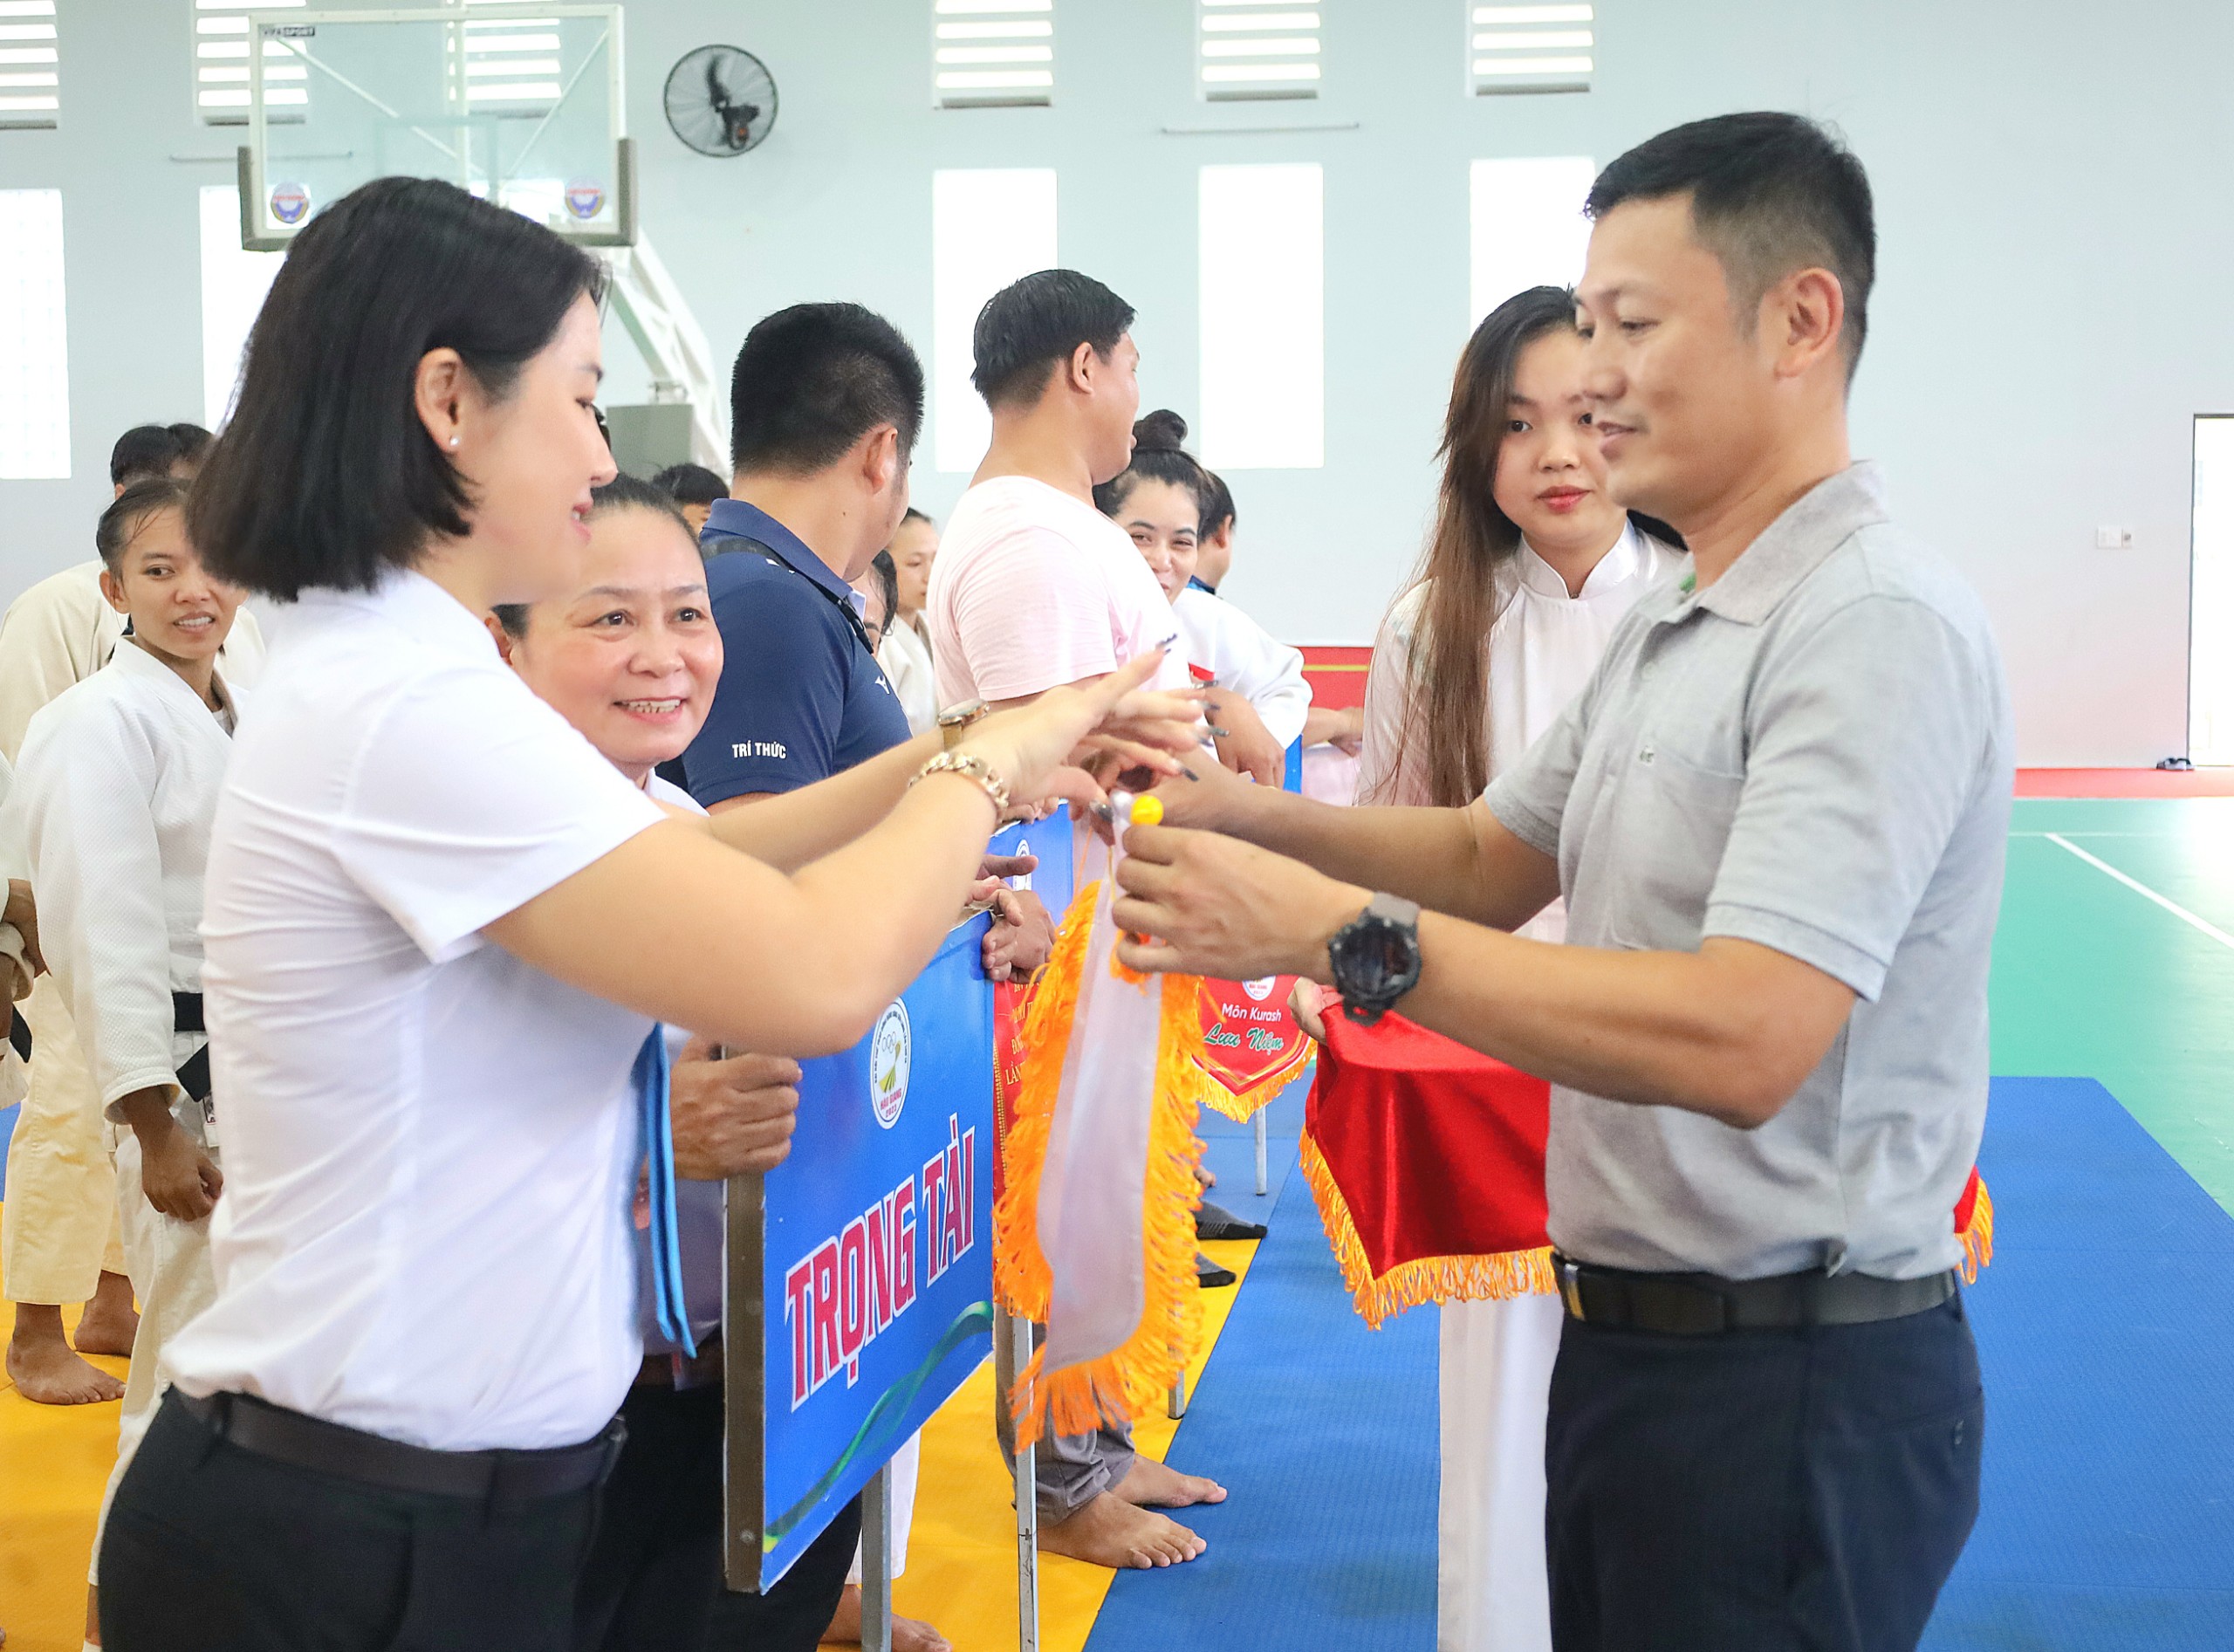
{"x":1771,"y":193}
{"x":690,"y":484}
{"x":1031,"y":325}
{"x":624,"y":492}
{"x":120,"y":523}
{"x":811,"y":380}
{"x":156,"y":450}
{"x":325,"y":476}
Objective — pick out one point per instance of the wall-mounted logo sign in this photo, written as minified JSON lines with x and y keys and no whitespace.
{"x":890,"y":1050}
{"x":584,"y":200}
{"x":291,"y":202}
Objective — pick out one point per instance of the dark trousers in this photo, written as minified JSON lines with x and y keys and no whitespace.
{"x":212,"y":1548}
{"x":1763,"y":1490}
{"x":654,"y":1579}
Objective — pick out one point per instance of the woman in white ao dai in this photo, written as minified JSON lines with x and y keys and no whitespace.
{"x":1530,"y":553}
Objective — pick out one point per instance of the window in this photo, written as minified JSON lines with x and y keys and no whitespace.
{"x":1530,"y":48}
{"x":221,"y":62}
{"x":1256,"y":49}
{"x":1527,"y":226}
{"x":30,"y":64}
{"x":987,"y":229}
{"x":34,"y":363}
{"x":1263,"y":317}
{"x":234,"y":282}
{"x":992,"y":52}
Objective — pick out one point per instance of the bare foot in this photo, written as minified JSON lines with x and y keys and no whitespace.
{"x":110,"y":1321}
{"x":42,"y":1367}
{"x":908,"y":1635}
{"x":1152,"y":1485}
{"x":1111,"y":1531}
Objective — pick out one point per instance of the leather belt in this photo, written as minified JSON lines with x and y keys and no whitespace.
{"x":370,"y":1459}
{"x":1705,"y":1304}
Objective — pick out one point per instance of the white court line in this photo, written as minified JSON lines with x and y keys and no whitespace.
{"x":2141,"y":888}
{"x":2015,"y":834}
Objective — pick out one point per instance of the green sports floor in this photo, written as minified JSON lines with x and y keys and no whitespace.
{"x":2094,"y":979}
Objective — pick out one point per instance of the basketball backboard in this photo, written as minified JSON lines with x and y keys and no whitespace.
{"x":521,"y":103}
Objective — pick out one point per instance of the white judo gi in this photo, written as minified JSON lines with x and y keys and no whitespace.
{"x":115,"y":795}
{"x":906,"y":658}
{"x":1491,"y":1591}
{"x":59,"y":1229}
{"x":1223,"y":640}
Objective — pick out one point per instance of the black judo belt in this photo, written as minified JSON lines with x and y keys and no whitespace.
{"x":186,"y":1016}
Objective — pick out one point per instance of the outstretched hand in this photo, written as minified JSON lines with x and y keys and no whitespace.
{"x":1195,"y":903}
{"x":1038,"y":750}
{"x":1206,"y":796}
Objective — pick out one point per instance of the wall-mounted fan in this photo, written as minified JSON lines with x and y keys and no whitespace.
{"x":721,"y":100}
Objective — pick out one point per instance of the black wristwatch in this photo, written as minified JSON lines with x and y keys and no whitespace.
{"x":1376,"y":958}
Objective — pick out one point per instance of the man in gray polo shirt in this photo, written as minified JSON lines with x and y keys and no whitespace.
{"x":1778,"y":815}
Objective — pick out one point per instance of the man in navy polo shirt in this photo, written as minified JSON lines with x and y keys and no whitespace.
{"x":827,"y":399}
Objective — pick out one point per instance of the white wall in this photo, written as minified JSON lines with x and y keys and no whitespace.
{"x":2049,"y":176}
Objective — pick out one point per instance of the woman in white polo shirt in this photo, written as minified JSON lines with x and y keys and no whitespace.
{"x":440,"y":932}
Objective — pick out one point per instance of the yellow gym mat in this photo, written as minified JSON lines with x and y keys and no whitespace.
{"x":960,"y":1555}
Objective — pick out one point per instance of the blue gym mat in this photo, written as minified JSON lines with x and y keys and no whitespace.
{"x":2106,"y":1326}
{"x":1324,"y":1435}
{"x":2106,"y":1329}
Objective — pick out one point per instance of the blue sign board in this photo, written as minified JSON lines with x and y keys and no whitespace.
{"x":860,"y":1284}
{"x":1050,"y":839}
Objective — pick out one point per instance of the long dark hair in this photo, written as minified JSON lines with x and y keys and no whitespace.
{"x":1442,"y":730}
{"x":325,"y":476}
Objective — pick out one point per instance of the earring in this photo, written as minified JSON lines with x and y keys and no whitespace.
{"x":453,"y":442}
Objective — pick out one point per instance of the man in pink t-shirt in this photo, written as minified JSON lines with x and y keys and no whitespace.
{"x":1034,"y":588}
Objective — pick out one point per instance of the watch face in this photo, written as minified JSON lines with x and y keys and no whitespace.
{"x":1375,"y":953}
{"x":1392,"y":951}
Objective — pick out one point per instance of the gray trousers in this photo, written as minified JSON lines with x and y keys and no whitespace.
{"x":1069,"y":1471}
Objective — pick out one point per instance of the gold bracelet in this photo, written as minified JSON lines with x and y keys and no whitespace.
{"x":969,"y":764}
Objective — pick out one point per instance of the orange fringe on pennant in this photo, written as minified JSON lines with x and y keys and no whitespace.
{"x":1977,"y":1238}
{"x":1249,"y":1103}
{"x":1021,"y":1281}
{"x":1136,"y":1376}
{"x":1510,"y":1274}
{"x":1409,"y":1284}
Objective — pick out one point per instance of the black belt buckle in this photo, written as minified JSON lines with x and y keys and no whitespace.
{"x":1663,"y":1304}
{"x":1569,"y":1277}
